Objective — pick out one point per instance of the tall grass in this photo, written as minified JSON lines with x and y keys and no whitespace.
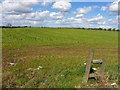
{"x":23,"y":37}
{"x":60,"y":52}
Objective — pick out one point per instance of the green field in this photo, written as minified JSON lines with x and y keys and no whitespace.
{"x":60,"y":54}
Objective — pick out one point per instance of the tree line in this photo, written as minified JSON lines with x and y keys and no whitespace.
{"x":109,"y":29}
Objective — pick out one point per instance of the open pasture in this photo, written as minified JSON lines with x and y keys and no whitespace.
{"x":47,"y":57}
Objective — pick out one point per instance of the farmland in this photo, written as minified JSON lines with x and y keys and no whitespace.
{"x":47,"y":57}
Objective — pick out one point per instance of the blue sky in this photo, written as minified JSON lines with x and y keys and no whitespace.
{"x":60,"y":14}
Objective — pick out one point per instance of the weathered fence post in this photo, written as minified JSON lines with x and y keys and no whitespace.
{"x":88,"y":66}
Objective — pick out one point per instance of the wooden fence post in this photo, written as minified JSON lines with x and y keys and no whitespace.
{"x":88,"y":66}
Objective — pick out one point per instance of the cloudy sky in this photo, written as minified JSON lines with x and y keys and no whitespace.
{"x":59,"y":13}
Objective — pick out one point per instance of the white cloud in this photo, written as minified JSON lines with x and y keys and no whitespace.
{"x":42,"y":14}
{"x":102,"y":23}
{"x":113,"y":22}
{"x":80,"y":12}
{"x":62,"y":5}
{"x":114,"y":6}
{"x":45,"y":3}
{"x":74,"y":22}
{"x":23,"y":22}
{"x":13,"y":17}
{"x":0,"y":7}
{"x":15,"y":7}
{"x":38,"y":15}
{"x":96,"y":18}
{"x":56,"y":15}
{"x":25,"y":3}
{"x":79,"y":15}
{"x":103,"y":8}
{"x":84,"y":10}
{"x":0,"y":15}
{"x":104,"y":26}
{"x":21,"y":13}
{"x":30,"y":17}
{"x":29,"y":3}
{"x":34,"y":22}
{"x":107,"y":23}
{"x":18,"y":7}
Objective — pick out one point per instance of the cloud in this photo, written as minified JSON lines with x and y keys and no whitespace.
{"x":80,"y":12}
{"x":113,"y":22}
{"x":29,"y":3}
{"x":62,"y":5}
{"x":56,"y":15}
{"x":23,"y":13}
{"x":18,"y":7}
{"x":0,"y":8}
{"x":96,"y":18}
{"x":84,"y":10}
{"x":13,"y":17}
{"x":79,"y":15}
{"x":26,"y":18}
{"x":38,"y":15}
{"x":102,"y":23}
{"x":73,"y":22}
{"x":45,"y":3}
{"x":103,"y":8}
{"x":104,"y":26}
{"x":107,"y":23}
{"x":114,"y":6}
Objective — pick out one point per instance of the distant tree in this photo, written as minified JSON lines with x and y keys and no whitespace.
{"x":99,"y":28}
{"x":9,"y":25}
{"x":105,"y":29}
{"x":109,"y":29}
{"x":25,"y":26}
{"x":114,"y":29}
{"x":94,"y":29}
{"x":117,"y":30}
{"x":83,"y":28}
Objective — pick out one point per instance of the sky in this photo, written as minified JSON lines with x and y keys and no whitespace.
{"x":59,"y":13}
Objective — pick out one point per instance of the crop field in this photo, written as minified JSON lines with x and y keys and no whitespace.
{"x":54,"y":58}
